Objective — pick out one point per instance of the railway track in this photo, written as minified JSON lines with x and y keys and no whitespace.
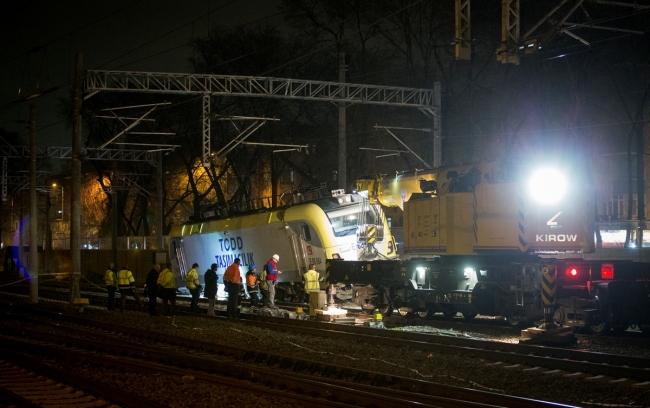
{"x":636,"y":339}
{"x":634,"y":370}
{"x":90,"y":290}
{"x":348,"y":385}
{"x":27,"y":382}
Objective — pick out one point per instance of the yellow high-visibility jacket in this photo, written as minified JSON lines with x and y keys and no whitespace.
{"x":311,"y":281}
{"x":192,"y":279}
{"x":125,"y":278}
{"x":110,"y":278}
{"x":166,"y":279}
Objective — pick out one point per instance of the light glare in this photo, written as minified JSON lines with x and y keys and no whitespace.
{"x":547,"y":186}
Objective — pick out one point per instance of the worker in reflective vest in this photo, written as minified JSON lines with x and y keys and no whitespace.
{"x":192,"y":283}
{"x":168,"y":283}
{"x":111,"y":285}
{"x":126,"y":283}
{"x":252,"y":283}
{"x":232,"y":280}
{"x":312,"y":281}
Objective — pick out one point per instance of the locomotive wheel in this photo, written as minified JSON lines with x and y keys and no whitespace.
{"x":599,"y":329}
{"x":425,"y":313}
{"x":514,"y":321}
{"x":367,"y":311}
{"x":449,"y":315}
{"x":405,"y":312}
{"x":385,"y":310}
{"x":469,"y":316}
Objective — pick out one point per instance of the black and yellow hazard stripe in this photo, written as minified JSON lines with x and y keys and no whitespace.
{"x":549,"y":284}
{"x":371,"y":234}
{"x":327,"y":274}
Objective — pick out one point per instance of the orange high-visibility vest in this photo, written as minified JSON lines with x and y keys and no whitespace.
{"x":232,"y":274}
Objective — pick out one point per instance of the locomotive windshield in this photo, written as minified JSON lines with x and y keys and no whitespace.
{"x":346,"y":220}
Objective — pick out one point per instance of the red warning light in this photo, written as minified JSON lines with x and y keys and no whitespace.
{"x":607,"y":271}
{"x":572,"y":272}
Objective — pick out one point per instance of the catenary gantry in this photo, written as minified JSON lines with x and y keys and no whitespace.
{"x":206,"y":85}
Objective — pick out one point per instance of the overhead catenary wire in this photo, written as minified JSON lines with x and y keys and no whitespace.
{"x":459,"y":69}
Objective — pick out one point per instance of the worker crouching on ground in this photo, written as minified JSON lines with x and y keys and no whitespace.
{"x":167,"y":289}
{"x":111,"y":285}
{"x":312,"y":281}
{"x":252,"y":283}
{"x":126,"y":283}
{"x":211,"y":279}
{"x":232,"y":280}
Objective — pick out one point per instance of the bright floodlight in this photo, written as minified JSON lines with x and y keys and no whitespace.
{"x":547,"y":186}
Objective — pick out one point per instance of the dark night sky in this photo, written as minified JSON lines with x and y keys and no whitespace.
{"x":138,"y":35}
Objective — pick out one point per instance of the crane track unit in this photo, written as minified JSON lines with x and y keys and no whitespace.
{"x":517,"y":239}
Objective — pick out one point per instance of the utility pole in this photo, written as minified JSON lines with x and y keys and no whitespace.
{"x":33,"y":210}
{"x":640,"y":170}
{"x":47,"y":251}
{"x":342,"y":175}
{"x":114,"y":229}
{"x":75,"y":196}
{"x":161,"y":206}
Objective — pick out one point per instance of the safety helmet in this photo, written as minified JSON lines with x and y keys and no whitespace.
{"x":251,"y":267}
{"x":276,"y":257}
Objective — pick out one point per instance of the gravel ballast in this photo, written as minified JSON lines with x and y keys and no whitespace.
{"x":451,"y":369}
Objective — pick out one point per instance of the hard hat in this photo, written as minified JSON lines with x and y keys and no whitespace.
{"x":251,"y":267}
{"x":276,"y":257}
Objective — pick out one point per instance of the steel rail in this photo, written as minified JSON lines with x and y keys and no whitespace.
{"x":337,"y":390}
{"x":559,"y":353}
{"x":640,"y":340}
{"x":554,"y":358}
{"x":130,"y":364}
{"x":422,"y":389}
{"x":51,"y":393}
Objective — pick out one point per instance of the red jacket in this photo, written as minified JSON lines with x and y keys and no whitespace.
{"x":272,"y":270}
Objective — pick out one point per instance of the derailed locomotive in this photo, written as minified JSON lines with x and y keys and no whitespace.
{"x":500,"y":240}
{"x":310,"y":231}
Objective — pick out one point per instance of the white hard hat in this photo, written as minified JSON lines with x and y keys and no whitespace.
{"x":276,"y":257}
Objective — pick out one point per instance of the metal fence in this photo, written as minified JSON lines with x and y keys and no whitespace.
{"x":152,"y":243}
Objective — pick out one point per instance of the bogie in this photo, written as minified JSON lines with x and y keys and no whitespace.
{"x":494,"y":287}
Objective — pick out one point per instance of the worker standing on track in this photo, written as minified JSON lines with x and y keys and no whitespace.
{"x":252,"y":282}
{"x":192,"y":280}
{"x":127,"y":286}
{"x":312,"y":281}
{"x":232,"y":280}
{"x":264,"y":287}
{"x":211,"y":279}
{"x":272,"y":273}
{"x":111,"y":285}
{"x":168,"y":283}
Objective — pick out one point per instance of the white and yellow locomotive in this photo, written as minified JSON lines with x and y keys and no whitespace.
{"x":343,"y":225}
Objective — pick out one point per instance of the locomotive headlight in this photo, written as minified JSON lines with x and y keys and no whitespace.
{"x":420,"y":270}
{"x":547,"y":186}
